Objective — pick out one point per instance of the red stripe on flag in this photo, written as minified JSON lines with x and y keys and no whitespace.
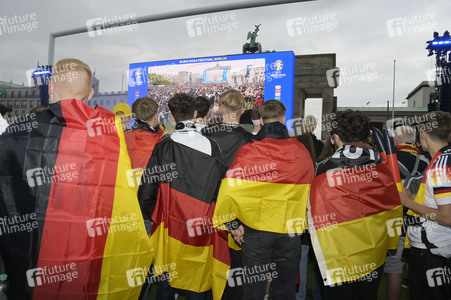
{"x":393,"y":164}
{"x":140,"y":144}
{"x":188,"y":219}
{"x":291,"y":163}
{"x":221,"y":248}
{"x":340,"y":199}
{"x":65,"y":238}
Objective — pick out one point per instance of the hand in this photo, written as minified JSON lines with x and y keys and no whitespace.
{"x":238,"y":234}
{"x":406,"y":197}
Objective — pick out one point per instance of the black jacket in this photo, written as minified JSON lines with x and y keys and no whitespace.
{"x":274,"y":130}
{"x":230,"y":138}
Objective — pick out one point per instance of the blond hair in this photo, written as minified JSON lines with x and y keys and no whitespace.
{"x":232,"y":100}
{"x":71,"y":79}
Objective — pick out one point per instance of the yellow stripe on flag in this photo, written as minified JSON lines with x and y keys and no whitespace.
{"x":127,"y":245}
{"x":261,"y":205}
{"x":350,"y":250}
{"x":196,"y":270}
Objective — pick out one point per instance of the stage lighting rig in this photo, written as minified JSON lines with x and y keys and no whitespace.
{"x":43,"y":74}
{"x":440,"y":99}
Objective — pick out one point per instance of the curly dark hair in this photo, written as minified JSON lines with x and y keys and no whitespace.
{"x":351,"y":126}
{"x":202,"y":106}
{"x":182,"y":107}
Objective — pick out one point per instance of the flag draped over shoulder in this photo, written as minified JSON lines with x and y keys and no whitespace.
{"x":269,"y":195}
{"x":387,"y":150}
{"x":66,"y":180}
{"x":355,"y":214}
{"x":184,"y":243}
{"x":140,"y":143}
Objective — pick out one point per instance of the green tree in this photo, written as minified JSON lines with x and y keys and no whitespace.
{"x":157,"y":79}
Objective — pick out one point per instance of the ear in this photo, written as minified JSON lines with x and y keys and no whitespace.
{"x":338,"y":141}
{"x":172,"y":118}
{"x":195,"y":114}
{"x":221,"y":111}
{"x":261,"y":121}
{"x":423,"y":136}
{"x":91,"y":93}
{"x":154,"y":120}
{"x":284,"y":119}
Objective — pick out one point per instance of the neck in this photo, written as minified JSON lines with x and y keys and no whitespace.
{"x":231,"y":119}
{"x":359,"y":144}
{"x":436,"y":147}
{"x":152,"y":124}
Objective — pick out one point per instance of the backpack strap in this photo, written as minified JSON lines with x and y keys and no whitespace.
{"x":417,"y":163}
{"x":404,"y":171}
{"x":425,"y":240}
{"x":216,"y":150}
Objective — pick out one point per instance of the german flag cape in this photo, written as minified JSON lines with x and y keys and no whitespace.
{"x":140,"y":143}
{"x":354,"y":214}
{"x":71,"y":225}
{"x":184,"y":243}
{"x":387,"y":149}
{"x":267,"y":186}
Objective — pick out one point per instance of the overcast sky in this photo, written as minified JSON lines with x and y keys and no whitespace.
{"x":365,"y":35}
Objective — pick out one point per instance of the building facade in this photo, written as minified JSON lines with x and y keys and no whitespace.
{"x":22,"y":99}
{"x":420,"y":95}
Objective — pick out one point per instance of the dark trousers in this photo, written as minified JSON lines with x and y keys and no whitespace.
{"x":261,"y":250}
{"x":429,"y":275}
{"x":359,"y":290}
{"x":166,"y":292}
{"x":235,"y":292}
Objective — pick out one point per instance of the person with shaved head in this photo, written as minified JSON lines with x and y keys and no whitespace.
{"x":71,"y":79}
{"x":62,"y":171}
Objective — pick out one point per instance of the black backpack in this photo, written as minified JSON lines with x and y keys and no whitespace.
{"x":413,"y":180}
